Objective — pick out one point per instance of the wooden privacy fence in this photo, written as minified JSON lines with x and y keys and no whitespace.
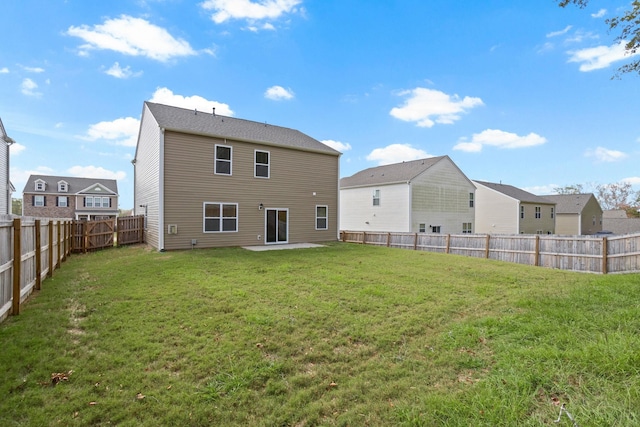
{"x":42,"y":245}
{"x":593,"y":254}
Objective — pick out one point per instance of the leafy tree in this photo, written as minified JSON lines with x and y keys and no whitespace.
{"x":16,"y":206}
{"x":569,"y":189}
{"x":628,"y":26}
{"x":618,"y":195}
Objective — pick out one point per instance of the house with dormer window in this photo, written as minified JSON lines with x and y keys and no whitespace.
{"x":70,"y":197}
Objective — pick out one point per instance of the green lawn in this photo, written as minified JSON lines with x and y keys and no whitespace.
{"x":346,"y":335}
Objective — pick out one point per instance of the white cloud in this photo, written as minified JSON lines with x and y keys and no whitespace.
{"x":559,"y":33}
{"x":633,"y":180}
{"x":396,"y":153}
{"x":541,"y":189}
{"x":427,"y":107}
{"x":605,"y":155}
{"x":28,"y":87}
{"x":595,"y":58}
{"x":4,"y":70}
{"x":123,"y":131}
{"x":165,"y":96}
{"x":599,"y":14}
{"x":16,"y":148}
{"x":122,"y":73}
{"x":95,"y":172}
{"x":500,"y":139}
{"x":34,"y":69}
{"x":131,"y":36}
{"x":337,"y":145}
{"x":225,"y":10}
{"x":278,"y":93}
{"x":20,"y":177}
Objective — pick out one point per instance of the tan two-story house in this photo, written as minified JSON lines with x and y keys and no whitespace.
{"x":577,"y":214}
{"x":505,"y":209}
{"x":206,"y":180}
{"x":47,"y":196}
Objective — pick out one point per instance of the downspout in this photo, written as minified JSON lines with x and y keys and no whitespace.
{"x":410,"y":206}
{"x":338,"y":201}
{"x":10,"y":142}
{"x":161,"y":193}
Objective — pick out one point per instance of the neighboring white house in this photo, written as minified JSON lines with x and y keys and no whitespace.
{"x":429,"y":195}
{"x":5,"y":185}
{"x":505,"y":209}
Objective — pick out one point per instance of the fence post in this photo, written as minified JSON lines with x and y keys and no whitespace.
{"x":388,"y":239}
{"x":58,"y":245}
{"x":604,"y":255}
{"x":446,"y":250}
{"x":364,"y":237}
{"x":38,"y":255}
{"x":50,"y":230}
{"x":536,"y":261}
{"x":17,"y":262}
{"x":415,"y":242}
{"x":486,"y":249}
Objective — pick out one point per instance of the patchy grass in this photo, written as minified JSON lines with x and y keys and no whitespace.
{"x":345,"y":335}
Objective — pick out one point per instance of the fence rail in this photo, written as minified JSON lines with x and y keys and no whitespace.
{"x":32,"y":248}
{"x":592,"y":254}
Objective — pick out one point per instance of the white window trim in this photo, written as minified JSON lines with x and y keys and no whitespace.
{"x":221,"y":204}
{"x":63,"y":186}
{"x":35,"y":201}
{"x":40,"y":185}
{"x":255,"y":164}
{"x":215,"y":159}
{"x":66,"y":202}
{"x":326,"y":218}
{"x":376,"y":196}
{"x":538,"y":212}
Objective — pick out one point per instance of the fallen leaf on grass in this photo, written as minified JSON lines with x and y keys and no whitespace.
{"x":93,"y":403}
{"x":57,"y":377}
{"x":139,"y":396}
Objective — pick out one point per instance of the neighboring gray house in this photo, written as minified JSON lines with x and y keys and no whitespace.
{"x":617,"y":222}
{"x":47,"y":196}
{"x":205,"y":180}
{"x":5,"y":184}
{"x":577,"y":214}
{"x":429,"y":195}
{"x":505,"y":209}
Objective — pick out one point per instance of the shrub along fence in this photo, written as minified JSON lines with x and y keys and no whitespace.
{"x":592,"y":254}
{"x":43,"y":244}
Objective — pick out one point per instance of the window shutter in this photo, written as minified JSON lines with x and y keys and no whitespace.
{"x":109,"y":201}
{"x":33,"y":200}
{"x":84,"y":202}
{"x":58,"y":201}
{"x":44,"y":200}
{"x":67,"y":201}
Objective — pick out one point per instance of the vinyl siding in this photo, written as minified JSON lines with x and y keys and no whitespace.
{"x":495,"y":213}
{"x":440,"y":197}
{"x":147,"y":175}
{"x":531,"y":225}
{"x":356,"y":208}
{"x":591,"y":209}
{"x":295,"y":175}
{"x":568,"y":224}
{"x":5,"y":189}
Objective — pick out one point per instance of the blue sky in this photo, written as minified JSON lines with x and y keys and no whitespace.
{"x":514,"y":92}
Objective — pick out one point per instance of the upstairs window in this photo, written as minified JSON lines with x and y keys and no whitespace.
{"x":40,"y":185}
{"x":322,"y":217}
{"x":470,"y":200}
{"x":553,"y":212}
{"x":521,"y":212}
{"x":62,"y":201}
{"x":538,"y":212}
{"x":376,"y":197}
{"x":261,"y":164}
{"x":222,"y":160}
{"x":39,"y":201}
{"x":63,"y":187}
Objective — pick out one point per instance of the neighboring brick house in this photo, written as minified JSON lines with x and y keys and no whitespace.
{"x":70,"y":197}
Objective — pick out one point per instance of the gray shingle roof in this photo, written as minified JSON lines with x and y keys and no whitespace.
{"x":570,"y":203}
{"x":201,"y":123}
{"x":515,"y":193}
{"x":75,"y":184}
{"x":387,"y":174}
